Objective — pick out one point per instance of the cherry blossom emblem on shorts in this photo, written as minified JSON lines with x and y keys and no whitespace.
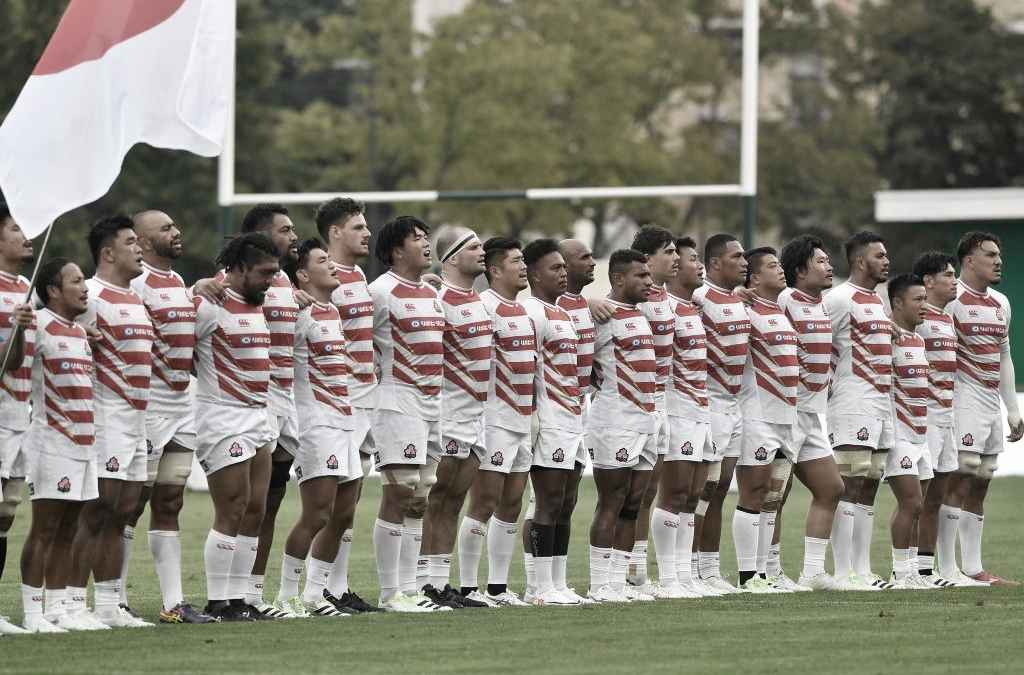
{"x":558,"y":455}
{"x":761,"y":454}
{"x":622,"y":455}
{"x":906,"y":463}
{"x":235,"y":450}
{"x":968,"y":440}
{"x":64,"y":485}
{"x":862,"y":434}
{"x":498,"y":458}
{"x":451,"y":447}
{"x":686,"y":448}
{"x":332,"y":462}
{"x":410,"y":451}
{"x":113,"y":466}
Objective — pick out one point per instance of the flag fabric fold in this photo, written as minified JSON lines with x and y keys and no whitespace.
{"x":114,"y":74}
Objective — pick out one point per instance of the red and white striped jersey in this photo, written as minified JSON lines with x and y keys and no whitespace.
{"x":16,"y":386}
{"x":513,"y":365}
{"x":408,"y":340}
{"x":727,"y":328}
{"x":352,"y":298}
{"x":583,"y":322}
{"x":557,"y":392}
{"x":468,"y":340}
{"x":910,"y":390}
{"x":861,"y":351}
{"x":169,"y":305}
{"x":813,"y":327}
{"x":772,"y":372}
{"x":322,"y":369}
{"x":232,"y":353}
{"x":940,"y":344}
{"x":62,"y":388}
{"x":658,"y":312}
{"x":982,"y":322}
{"x":625,"y":372}
{"x":687,"y":394}
{"x":123,"y":354}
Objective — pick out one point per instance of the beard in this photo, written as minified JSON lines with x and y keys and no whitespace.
{"x":166,"y":250}
{"x":254,"y":296}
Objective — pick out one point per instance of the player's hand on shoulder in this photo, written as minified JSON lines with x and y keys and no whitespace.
{"x":433,"y":280}
{"x":303,"y":299}
{"x":210,"y":290}
{"x":746,"y":294}
{"x":601,"y":310}
{"x":92,"y":334}
{"x":23,"y":315}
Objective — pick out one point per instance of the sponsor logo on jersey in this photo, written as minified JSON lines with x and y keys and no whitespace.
{"x":64,"y":484}
{"x":235,"y":450}
{"x":410,"y":451}
{"x":332,"y":463}
{"x":968,"y":440}
{"x":862,"y":434}
{"x":451,"y":448}
{"x":622,"y":455}
{"x":558,"y":455}
{"x":686,"y":448}
{"x":497,"y":459}
{"x":906,"y":463}
{"x":113,"y":466}
{"x":761,"y":454}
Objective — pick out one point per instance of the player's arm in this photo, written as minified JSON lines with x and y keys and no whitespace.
{"x":22,"y":320}
{"x":601,"y":309}
{"x":1008,"y":392}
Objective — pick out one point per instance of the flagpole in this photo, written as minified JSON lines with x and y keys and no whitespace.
{"x":28,"y":297}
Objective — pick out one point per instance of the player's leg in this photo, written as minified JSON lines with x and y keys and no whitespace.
{"x":907,"y":491}
{"x":854,"y":463}
{"x":441,"y":524}
{"x":484,"y":495}
{"x":674,"y":480}
{"x":637,"y":575}
{"x":45,"y":525}
{"x":549,"y":487}
{"x":753,"y":481}
{"x":864,"y":520}
{"x":327,"y":566}
{"x":822,"y":478}
{"x":11,"y":495}
{"x":277,"y":487}
{"x":97,"y":550}
{"x":502,"y":535}
{"x":317,"y":494}
{"x":927,"y":525}
{"x":687,"y":540}
{"x":127,"y":508}
{"x":773,"y":555}
{"x":711,"y":531}
{"x":229,"y":492}
{"x":612,"y":487}
{"x":247,"y":542}
{"x":563,"y":533}
{"x":58,"y":572}
{"x":972,"y":523}
{"x":625,"y":532}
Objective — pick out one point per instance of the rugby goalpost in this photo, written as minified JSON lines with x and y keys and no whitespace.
{"x":745,"y":188}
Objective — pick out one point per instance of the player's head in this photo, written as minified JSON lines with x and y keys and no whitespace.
{"x":545,"y":268}
{"x":273,"y":221}
{"x":980,"y":257}
{"x":15,"y":247}
{"x":764,"y":271}
{"x":403,"y":242}
{"x":62,"y":287}
{"x":460,"y":250}
{"x":343,"y":221}
{"x":938,"y":272}
{"x":806,"y":264}
{"x":659,"y":245}
{"x":312,"y":270}
{"x":867,"y":257}
{"x":158,"y":235}
{"x":630,"y":275}
{"x":579,"y":263}
{"x":724,"y":261}
{"x":115,"y":246}
{"x":504,"y":264}
{"x":251,"y":261}
{"x":907,"y":297}
{"x":691,"y":269}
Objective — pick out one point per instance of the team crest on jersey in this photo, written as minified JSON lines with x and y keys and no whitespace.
{"x":968,"y":440}
{"x":410,"y":451}
{"x":497,"y":459}
{"x":437,"y":307}
{"x":113,"y":466}
{"x":332,"y":463}
{"x":451,"y":448}
{"x":727,"y":311}
{"x":235,"y":450}
{"x":558,"y":455}
{"x":686,"y":448}
{"x":761,"y":454}
{"x":999,"y":314}
{"x":862,"y":434}
{"x":622,"y":455}
{"x":64,"y":485}
{"x":906,"y":463}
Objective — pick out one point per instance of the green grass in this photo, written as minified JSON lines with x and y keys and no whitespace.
{"x":966,"y":631}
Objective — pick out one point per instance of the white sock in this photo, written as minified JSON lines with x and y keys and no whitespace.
{"x":127,"y":543}
{"x":32,"y":603}
{"x":241,"y":567}
{"x":745,"y":527}
{"x":814,"y":556}
{"x":107,"y":596}
{"x":638,"y":560}
{"x":422,"y":571}
{"x":925,"y":562}
{"x":545,"y":581}
{"x":945,"y":543}
{"x":773,"y":566}
{"x":317,"y":574}
{"x":387,"y":549}
{"x":531,"y":572}
{"x":619,"y":569}
{"x":863,"y":528}
{"x":254,"y":589}
{"x":842,"y":539}
{"x":665,"y":532}
{"x":901,"y":563}
{"x":439,"y":568}
{"x":971,"y":526}
{"x":471,"y":545}
{"x":165,"y":546}
{"x":559,"y":563}
{"x":709,"y":564}
{"x":765,"y":531}
{"x":501,"y":542}
{"x":337,"y":582}
{"x":54,"y":601}
{"x":684,"y":548}
{"x":600,"y":567}
{"x":913,"y":558}
{"x":75,"y":599}
{"x":412,"y":537}
{"x":217,"y":556}
{"x":291,"y":572}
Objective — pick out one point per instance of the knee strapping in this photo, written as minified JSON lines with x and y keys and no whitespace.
{"x":968,"y":463}
{"x":781,"y":470}
{"x":702,"y":508}
{"x":987,"y":469}
{"x":365,"y":461}
{"x":280,"y":472}
{"x":877,"y":465}
{"x":714,"y":472}
{"x":174,"y":468}
{"x":427,"y":480}
{"x":404,"y":476}
{"x":14,"y":492}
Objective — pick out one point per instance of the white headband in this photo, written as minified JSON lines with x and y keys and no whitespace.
{"x":457,"y":247}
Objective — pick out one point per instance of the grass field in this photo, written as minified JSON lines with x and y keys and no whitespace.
{"x":964,"y":631}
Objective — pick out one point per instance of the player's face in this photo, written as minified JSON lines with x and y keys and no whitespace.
{"x":354,"y":235}
{"x":580,"y":266}
{"x":74,"y":294}
{"x":637,"y":282}
{"x":943,"y":284}
{"x":819,"y":271}
{"x":257,"y":279}
{"x":987,"y":262}
{"x":550,"y":275}
{"x":416,"y":250}
{"x":876,"y":261}
{"x":664,"y":263}
{"x":470,"y":260}
{"x":127,"y":253}
{"x":282,"y":233}
{"x":319,"y":271}
{"x":512,"y":268}
{"x":164,"y":237}
{"x":691,"y":269}
{"x":14,"y":246}
{"x":770,"y":276}
{"x":733,"y":265}
{"x":913,"y":302}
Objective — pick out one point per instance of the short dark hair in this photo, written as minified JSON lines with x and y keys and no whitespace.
{"x":715,"y":245}
{"x":104,"y":231}
{"x":625,"y":257}
{"x":496,"y":250}
{"x":971,"y":241}
{"x":753,"y":257}
{"x":292,"y":267}
{"x":651,"y":238}
{"x":686,"y":242}
{"x":246,"y":250}
{"x":858,"y":242}
{"x":899,"y":284}
{"x":335,"y":211}
{"x":5,"y":211}
{"x":796,"y":254}
{"x":261,"y":216}
{"x":51,"y":274}
{"x":933,"y":263}
{"x":393,"y":235}
{"x":537,"y":249}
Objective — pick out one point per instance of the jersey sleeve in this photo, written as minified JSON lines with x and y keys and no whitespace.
{"x":838,"y":307}
{"x":206,"y":317}
{"x":88,"y":318}
{"x":540,"y":323}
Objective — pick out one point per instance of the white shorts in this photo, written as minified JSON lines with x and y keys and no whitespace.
{"x":404,"y":439}
{"x":505,"y":451}
{"x":810,"y":439}
{"x":12,"y":457}
{"x":556,"y":449}
{"x":53,"y":475}
{"x":458,"y":439}
{"x":864,"y":430}
{"x":327,"y":451}
{"x":229,"y":435}
{"x":657,"y":443}
{"x":689,"y":440}
{"x":120,"y":456}
{"x":161,"y":430}
{"x":726,"y":434}
{"x":978,"y":432}
{"x":762,"y":441}
{"x":903,"y":459}
{"x":284,"y":426}
{"x":942,"y":446}
{"x":362,"y":431}
{"x":612,"y":448}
